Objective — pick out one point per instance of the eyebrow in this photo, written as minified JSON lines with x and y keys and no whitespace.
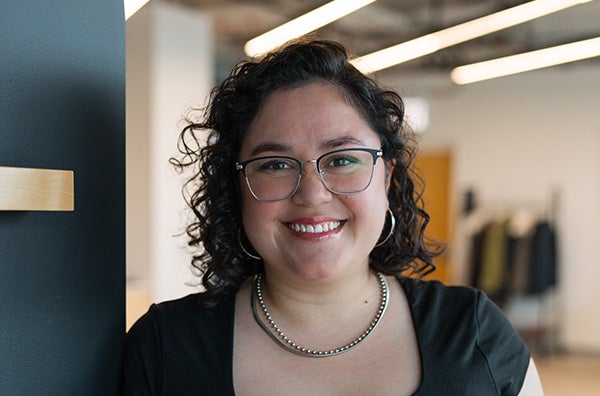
{"x":341,"y":141}
{"x":270,"y":146}
{"x":286,"y":148}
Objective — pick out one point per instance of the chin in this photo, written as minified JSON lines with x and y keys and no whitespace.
{"x":322,"y":270}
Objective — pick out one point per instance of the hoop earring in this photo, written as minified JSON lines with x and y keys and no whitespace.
{"x":392,"y":228}
{"x":246,"y":251}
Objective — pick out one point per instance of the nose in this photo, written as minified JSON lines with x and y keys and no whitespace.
{"x":311,"y":191}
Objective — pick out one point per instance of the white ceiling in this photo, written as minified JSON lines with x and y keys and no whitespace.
{"x":388,"y":22}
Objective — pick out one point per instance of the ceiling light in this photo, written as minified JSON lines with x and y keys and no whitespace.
{"x":457,"y":34}
{"x":527,"y":61}
{"x":303,"y":24}
{"x":132,"y":6}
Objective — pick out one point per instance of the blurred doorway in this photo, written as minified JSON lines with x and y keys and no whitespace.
{"x":435,"y":169}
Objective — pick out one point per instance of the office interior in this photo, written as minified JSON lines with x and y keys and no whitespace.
{"x":516,"y":151}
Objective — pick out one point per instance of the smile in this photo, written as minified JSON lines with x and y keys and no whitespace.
{"x":314,"y":228}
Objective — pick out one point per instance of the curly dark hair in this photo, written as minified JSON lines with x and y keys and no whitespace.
{"x":213,"y":192}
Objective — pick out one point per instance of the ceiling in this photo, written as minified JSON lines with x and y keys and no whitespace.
{"x":388,"y":22}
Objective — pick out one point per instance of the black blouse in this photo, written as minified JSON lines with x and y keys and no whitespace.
{"x":467,"y":346}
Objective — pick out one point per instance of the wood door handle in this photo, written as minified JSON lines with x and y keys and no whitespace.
{"x":24,"y":189}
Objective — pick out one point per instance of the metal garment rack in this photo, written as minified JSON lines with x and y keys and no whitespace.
{"x":534,"y":315}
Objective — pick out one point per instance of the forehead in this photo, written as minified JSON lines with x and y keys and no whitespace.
{"x":305,"y":118}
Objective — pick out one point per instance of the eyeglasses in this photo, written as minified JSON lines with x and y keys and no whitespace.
{"x":275,"y":178}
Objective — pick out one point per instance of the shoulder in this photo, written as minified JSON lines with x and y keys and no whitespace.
{"x":461,"y":330}
{"x":457,"y":307}
{"x":181,"y":320}
{"x":173,"y":315}
{"x":435,"y":300}
{"x":428,"y":296}
{"x":188,"y":308}
{"x":426,"y":290}
{"x":178,"y":343}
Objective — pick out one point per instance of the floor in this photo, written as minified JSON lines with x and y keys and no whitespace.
{"x":569,"y":375}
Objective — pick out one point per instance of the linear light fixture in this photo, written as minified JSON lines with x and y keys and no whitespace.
{"x":306,"y":23}
{"x":433,"y":42}
{"x":527,"y":61}
{"x":132,"y":6}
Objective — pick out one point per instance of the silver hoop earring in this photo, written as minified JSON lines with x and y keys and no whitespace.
{"x":392,"y":228}
{"x":246,"y":251}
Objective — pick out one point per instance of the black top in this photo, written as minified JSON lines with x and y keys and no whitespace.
{"x":467,"y":346}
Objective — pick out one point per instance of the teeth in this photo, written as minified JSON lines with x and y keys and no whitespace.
{"x":315,"y":229}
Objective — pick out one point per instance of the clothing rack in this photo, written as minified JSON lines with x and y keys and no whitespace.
{"x":512,"y":255}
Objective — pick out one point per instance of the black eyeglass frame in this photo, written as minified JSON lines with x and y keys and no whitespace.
{"x":241,"y":166}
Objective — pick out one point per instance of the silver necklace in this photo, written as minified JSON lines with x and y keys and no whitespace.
{"x":284,"y":341}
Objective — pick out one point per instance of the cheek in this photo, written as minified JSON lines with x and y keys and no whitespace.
{"x":250,"y":207}
{"x":250,"y":211}
{"x":255,"y":214}
{"x":378,"y":190}
{"x":371,"y":205}
{"x":368,"y":207}
{"x":259,"y":223}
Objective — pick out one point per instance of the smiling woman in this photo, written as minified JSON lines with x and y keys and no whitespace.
{"x":305,"y":205}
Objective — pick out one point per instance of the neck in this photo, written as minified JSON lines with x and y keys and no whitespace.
{"x":301,"y":302}
{"x":319,"y":331}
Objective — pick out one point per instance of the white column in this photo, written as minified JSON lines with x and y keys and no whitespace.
{"x":169,"y":70}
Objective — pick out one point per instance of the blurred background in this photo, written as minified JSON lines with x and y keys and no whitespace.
{"x":511,"y":164}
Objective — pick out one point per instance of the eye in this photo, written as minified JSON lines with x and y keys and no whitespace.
{"x":342,"y":160}
{"x":345,"y":162}
{"x":274,"y":167}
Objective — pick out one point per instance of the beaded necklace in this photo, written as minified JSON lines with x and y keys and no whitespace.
{"x":284,"y":341}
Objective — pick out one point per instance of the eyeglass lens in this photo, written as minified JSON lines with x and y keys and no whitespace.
{"x":343,"y":172}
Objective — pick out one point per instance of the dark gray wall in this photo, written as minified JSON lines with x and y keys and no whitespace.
{"x":62,"y":274}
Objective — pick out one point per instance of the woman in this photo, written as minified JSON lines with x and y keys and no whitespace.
{"x":306,"y":209}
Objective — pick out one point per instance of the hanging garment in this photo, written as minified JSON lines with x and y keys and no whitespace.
{"x":520,"y":233}
{"x":493,"y":264}
{"x":476,"y":255}
{"x":519,"y":258}
{"x":543,"y":261}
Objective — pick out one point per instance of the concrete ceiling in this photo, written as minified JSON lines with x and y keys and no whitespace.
{"x":388,"y":22}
